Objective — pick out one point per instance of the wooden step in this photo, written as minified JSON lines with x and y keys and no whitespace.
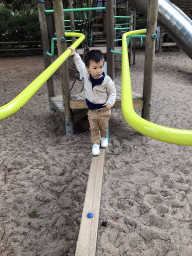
{"x":97,"y":33}
{"x":100,"y":41}
{"x":97,"y":25}
{"x":98,"y":17}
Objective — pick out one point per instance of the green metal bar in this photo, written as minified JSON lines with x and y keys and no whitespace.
{"x":137,"y":36}
{"x":126,"y":17}
{"x":121,"y":28}
{"x":78,"y":9}
{"x":116,"y":52}
{"x":76,"y":30}
{"x":122,"y":24}
{"x":70,"y":20}
{"x":53,"y":46}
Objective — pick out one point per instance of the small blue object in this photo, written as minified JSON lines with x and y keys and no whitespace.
{"x":62,"y":39}
{"x":90,"y":215}
{"x":153,"y":36}
{"x":41,"y":2}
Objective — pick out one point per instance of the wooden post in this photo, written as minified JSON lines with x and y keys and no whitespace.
{"x":131,"y":42}
{"x":72,"y":19}
{"x":45,"y":42}
{"x":49,"y":20}
{"x":110,"y":38}
{"x":134,"y":28}
{"x":104,"y":18}
{"x":89,"y":5}
{"x":152,"y":14}
{"x":61,"y":46}
{"x":127,"y":11}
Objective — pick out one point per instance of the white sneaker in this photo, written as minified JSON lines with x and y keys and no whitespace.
{"x":95,"y":149}
{"x":104,"y":142}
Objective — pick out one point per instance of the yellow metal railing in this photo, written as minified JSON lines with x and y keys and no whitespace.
{"x":155,"y":131}
{"x":17,"y":103}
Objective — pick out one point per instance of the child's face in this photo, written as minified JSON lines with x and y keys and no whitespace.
{"x":95,"y":68}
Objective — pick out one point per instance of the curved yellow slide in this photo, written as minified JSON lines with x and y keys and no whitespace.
{"x":17,"y":103}
{"x":155,"y":131}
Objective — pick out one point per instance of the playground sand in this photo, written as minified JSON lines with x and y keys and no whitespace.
{"x":146,"y":207}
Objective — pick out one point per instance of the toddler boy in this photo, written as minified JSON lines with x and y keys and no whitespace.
{"x":100,"y":95}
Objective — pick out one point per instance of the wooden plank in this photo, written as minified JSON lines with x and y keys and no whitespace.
{"x":97,"y":25}
{"x":22,"y":42}
{"x":101,"y":48}
{"x":78,"y":104}
{"x":97,"y":33}
{"x":78,"y":101}
{"x":100,"y":41}
{"x":168,"y":44}
{"x":87,"y":239}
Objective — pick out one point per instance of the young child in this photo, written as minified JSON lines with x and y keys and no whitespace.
{"x":100,"y":95}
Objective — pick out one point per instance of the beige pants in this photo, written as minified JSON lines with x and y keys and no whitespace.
{"x":98,"y":120}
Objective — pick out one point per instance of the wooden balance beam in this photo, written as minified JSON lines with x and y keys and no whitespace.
{"x":87,"y":239}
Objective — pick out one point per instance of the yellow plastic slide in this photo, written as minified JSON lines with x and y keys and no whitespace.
{"x":155,"y":131}
{"x":17,"y":103}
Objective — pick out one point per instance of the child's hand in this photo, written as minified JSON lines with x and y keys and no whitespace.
{"x":107,"y":106}
{"x":73,"y":51}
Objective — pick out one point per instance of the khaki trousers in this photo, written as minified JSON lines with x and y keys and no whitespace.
{"x":98,"y":120}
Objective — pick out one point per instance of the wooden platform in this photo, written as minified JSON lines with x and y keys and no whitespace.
{"x":103,"y":49}
{"x":78,"y":101}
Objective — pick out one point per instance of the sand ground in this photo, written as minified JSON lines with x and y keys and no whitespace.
{"x":146,"y":207}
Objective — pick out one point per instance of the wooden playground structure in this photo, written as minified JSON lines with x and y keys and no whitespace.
{"x":65,"y":104}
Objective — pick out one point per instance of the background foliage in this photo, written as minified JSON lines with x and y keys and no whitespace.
{"x":19,"y":19}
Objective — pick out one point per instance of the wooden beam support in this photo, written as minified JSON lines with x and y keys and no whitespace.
{"x":152,"y":14}
{"x":45,"y":43}
{"x":87,"y":239}
{"x":64,"y":72}
{"x":110,"y":38}
{"x":72,"y":19}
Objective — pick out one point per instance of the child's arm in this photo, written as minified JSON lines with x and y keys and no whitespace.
{"x":80,"y":65}
{"x":111,"y":94}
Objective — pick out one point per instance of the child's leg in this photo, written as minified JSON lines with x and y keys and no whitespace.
{"x":94,"y":126}
{"x":103,"y":123}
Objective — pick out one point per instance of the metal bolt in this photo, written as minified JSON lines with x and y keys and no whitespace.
{"x":62,"y":39}
{"x":150,"y":103}
{"x":153,"y":36}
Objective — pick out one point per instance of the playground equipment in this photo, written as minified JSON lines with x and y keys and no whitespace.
{"x":158,"y":132}
{"x":174,"y":21}
{"x":65,"y":103}
{"x":87,"y":239}
{"x":16,"y":104}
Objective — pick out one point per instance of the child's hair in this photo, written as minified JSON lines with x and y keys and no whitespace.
{"x":94,"y":55}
